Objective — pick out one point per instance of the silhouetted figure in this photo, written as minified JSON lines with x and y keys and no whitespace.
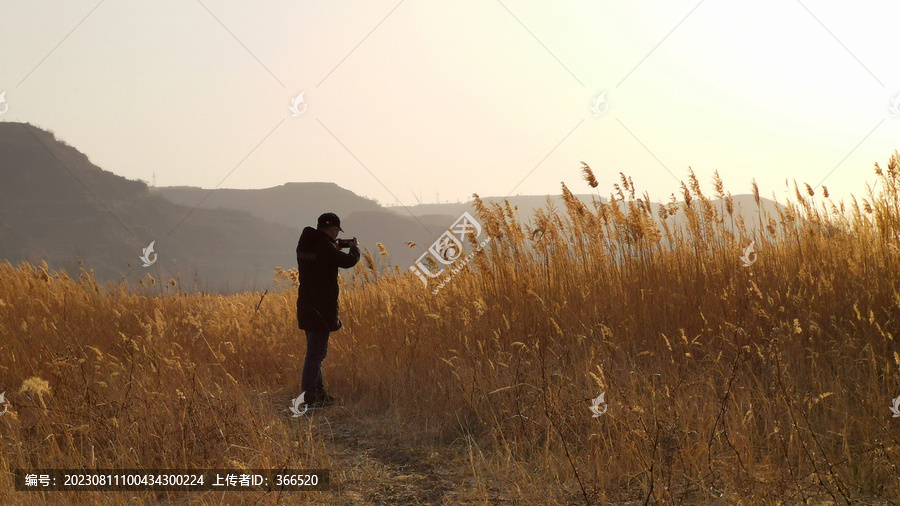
{"x":318,"y":260}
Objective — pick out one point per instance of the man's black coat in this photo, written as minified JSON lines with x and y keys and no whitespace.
{"x":318,"y":261}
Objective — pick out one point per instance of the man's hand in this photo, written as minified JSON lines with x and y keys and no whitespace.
{"x":354,"y":243}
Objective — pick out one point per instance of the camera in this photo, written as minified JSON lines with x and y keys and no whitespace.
{"x":345,"y":243}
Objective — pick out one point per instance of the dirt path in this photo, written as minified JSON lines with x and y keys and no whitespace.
{"x":375,"y":464}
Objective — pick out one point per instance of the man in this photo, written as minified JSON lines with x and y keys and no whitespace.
{"x":318,"y":260}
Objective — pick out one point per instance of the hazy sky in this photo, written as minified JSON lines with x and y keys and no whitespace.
{"x":411,"y":99}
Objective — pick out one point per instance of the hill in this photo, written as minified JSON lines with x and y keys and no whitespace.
{"x":57,"y":206}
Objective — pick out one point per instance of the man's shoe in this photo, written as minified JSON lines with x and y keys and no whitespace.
{"x":321,"y":401}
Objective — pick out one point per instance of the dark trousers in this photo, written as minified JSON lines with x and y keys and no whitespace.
{"x":316,"y":349}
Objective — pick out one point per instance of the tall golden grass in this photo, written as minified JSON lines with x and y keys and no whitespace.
{"x":767,"y":383}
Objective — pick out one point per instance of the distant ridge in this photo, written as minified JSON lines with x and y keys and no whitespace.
{"x":291,"y":204}
{"x":56,"y":205}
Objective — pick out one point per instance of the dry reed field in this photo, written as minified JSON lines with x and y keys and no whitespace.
{"x":724,"y":384}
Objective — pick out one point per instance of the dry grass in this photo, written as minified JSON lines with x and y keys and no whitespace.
{"x":768,"y":383}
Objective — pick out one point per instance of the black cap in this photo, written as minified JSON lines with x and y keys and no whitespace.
{"x":330,"y":220}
